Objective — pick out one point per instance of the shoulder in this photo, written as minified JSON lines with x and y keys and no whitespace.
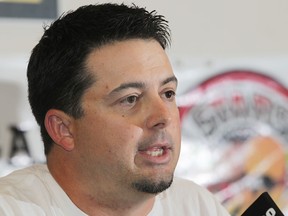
{"x":20,"y":180}
{"x":34,"y":191}
{"x":19,"y":188}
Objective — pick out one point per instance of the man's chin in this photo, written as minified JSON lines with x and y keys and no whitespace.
{"x":152,"y":186}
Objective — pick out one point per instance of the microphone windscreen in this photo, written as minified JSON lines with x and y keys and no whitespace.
{"x":263,"y":206}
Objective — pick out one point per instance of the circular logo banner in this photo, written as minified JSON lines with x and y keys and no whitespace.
{"x":235,"y":137}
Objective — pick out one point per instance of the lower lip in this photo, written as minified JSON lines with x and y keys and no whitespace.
{"x":157,"y":160}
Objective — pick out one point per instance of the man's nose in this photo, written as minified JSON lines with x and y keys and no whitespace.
{"x":159,"y":114}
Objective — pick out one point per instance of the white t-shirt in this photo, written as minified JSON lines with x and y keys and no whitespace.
{"x":33,"y":191}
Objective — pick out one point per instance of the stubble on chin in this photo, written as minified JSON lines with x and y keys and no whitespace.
{"x":152,"y":186}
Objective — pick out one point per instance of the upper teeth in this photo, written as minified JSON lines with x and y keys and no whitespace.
{"x":155,"y":152}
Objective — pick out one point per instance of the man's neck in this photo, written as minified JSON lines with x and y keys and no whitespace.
{"x":99,"y":199}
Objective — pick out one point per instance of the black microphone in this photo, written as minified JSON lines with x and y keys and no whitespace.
{"x":263,"y":206}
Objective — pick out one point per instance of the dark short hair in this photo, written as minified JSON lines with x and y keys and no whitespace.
{"x":57,"y":75}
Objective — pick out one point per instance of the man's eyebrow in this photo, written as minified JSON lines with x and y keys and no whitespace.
{"x":138,"y":85}
{"x":170,"y":79}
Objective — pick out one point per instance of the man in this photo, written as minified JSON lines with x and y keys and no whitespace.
{"x":103,"y":92}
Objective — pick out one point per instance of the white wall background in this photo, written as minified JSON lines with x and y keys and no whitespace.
{"x":208,"y":37}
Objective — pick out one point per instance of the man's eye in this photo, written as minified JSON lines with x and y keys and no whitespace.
{"x":170,"y":94}
{"x":129,"y":100}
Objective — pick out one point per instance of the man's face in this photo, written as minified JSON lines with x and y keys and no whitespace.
{"x":129,"y":136}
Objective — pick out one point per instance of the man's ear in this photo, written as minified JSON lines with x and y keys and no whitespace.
{"x":58,"y":125}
